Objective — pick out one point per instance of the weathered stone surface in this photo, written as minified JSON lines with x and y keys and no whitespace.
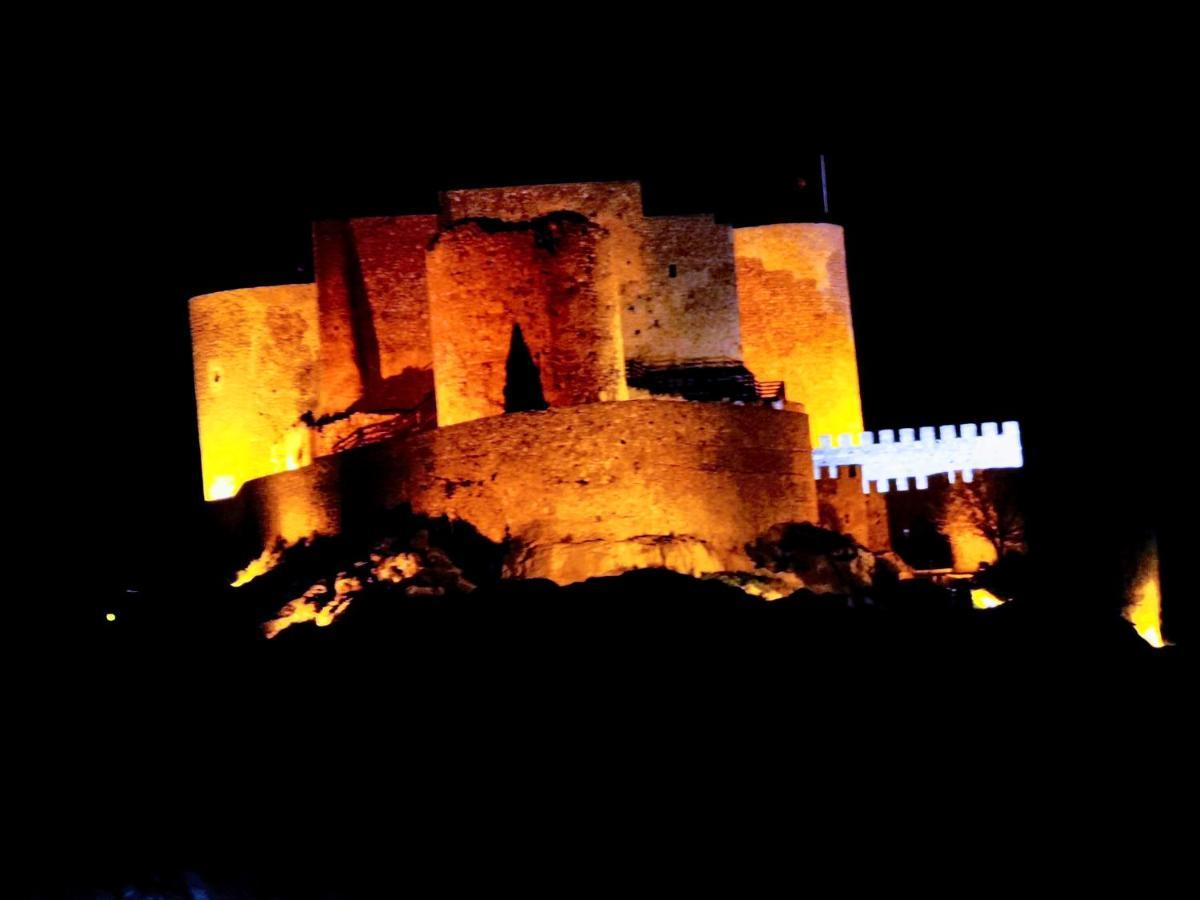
{"x":375,"y":343}
{"x":690,"y":315}
{"x":681,"y":484}
{"x":255,"y":355}
{"x":339,"y":381}
{"x":486,"y":278}
{"x":687,"y":307}
{"x":615,"y":206}
{"x":796,"y":324}
{"x":391,"y":259}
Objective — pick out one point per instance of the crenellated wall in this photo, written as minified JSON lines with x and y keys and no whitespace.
{"x":255,"y":354}
{"x":795,"y":318}
{"x":587,"y":490}
{"x":687,"y":307}
{"x":955,"y":451}
{"x":842,"y":506}
{"x":485,"y":278}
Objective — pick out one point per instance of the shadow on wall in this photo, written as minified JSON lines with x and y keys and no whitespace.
{"x":523,"y":379}
{"x":405,"y":391}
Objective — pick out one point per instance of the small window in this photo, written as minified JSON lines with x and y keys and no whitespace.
{"x":852,"y":471}
{"x":672,"y":271}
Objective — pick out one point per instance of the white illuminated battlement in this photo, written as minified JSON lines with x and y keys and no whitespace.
{"x":918,"y":456}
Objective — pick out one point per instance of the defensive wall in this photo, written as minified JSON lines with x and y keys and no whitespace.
{"x":583,"y":491}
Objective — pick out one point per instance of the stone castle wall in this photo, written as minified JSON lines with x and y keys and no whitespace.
{"x":842,"y":506}
{"x":375,"y":339}
{"x":255,"y":354}
{"x":615,"y":206}
{"x":403,"y":306}
{"x":485,"y":278}
{"x":663,"y":318}
{"x":795,"y":317}
{"x":339,"y":380}
{"x":687,"y":308}
{"x":391,"y":255}
{"x":587,"y":490}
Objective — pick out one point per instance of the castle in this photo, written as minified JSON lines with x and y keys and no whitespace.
{"x":605,"y":389}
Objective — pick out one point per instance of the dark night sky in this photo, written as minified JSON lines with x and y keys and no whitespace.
{"x":985,"y":262}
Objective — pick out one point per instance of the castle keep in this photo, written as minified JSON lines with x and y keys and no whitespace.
{"x":610,"y":389}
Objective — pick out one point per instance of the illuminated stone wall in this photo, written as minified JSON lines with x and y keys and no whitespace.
{"x":486,"y":276}
{"x":879,"y":527}
{"x":375,"y":342}
{"x":588,"y":490}
{"x":692,"y":314}
{"x":616,"y":206}
{"x":842,"y":506}
{"x":795,"y":315}
{"x":391,"y":255}
{"x":255,"y":354}
{"x":340,"y":382}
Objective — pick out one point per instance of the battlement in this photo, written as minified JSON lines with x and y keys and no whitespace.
{"x":919,"y":453}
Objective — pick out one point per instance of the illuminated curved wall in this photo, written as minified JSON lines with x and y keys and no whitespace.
{"x":795,"y":316}
{"x":588,"y":490}
{"x":255,"y":354}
